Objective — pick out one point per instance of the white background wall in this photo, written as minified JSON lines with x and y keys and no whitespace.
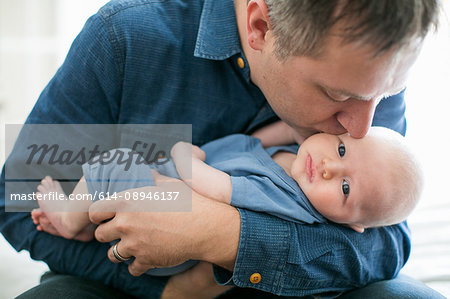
{"x":35,"y":35}
{"x":428,"y":114}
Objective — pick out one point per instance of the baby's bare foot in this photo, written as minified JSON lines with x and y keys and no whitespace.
{"x":52,"y":188}
{"x":43,"y":223}
{"x":51,"y":215}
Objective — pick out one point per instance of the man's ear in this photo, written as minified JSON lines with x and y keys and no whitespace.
{"x":257,"y":24}
{"x":357,"y":228}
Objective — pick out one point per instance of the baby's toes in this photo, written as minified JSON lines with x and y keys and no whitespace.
{"x":35,"y":219}
{"x":47,"y":181}
{"x":42,"y":189}
{"x":36,"y":213}
{"x":54,"y":185}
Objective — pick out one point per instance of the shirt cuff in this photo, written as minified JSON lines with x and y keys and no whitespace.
{"x":262,"y":253}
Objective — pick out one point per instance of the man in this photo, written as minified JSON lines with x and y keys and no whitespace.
{"x":321,"y":65}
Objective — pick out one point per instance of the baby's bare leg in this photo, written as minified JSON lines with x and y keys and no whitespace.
{"x":69,"y":217}
{"x":203,"y":179}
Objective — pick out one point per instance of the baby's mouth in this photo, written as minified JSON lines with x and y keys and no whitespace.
{"x":309,"y":168}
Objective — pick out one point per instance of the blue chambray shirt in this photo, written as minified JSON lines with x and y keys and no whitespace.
{"x":258,"y":182}
{"x":149,"y":61}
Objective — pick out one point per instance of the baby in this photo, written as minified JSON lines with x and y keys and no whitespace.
{"x":360,"y":183}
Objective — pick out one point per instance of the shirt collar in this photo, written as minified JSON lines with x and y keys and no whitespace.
{"x":218,"y":36}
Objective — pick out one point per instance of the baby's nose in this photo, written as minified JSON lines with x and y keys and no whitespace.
{"x":331,"y":168}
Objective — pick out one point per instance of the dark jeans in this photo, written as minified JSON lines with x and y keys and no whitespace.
{"x":56,"y":286}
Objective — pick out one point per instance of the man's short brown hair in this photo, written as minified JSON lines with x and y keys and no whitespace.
{"x":301,"y":26}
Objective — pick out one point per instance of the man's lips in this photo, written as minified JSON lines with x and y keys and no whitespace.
{"x":309,"y":168}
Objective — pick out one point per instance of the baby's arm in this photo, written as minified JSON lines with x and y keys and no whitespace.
{"x":202,"y":178}
{"x":278,"y":133}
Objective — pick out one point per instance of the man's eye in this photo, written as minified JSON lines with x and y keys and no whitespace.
{"x":336,"y":97}
{"x":341,"y":150}
{"x":345,"y":188}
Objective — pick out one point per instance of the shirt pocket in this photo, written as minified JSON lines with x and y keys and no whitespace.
{"x":305,"y":253}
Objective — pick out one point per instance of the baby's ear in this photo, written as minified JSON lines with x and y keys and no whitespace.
{"x":357,"y":228}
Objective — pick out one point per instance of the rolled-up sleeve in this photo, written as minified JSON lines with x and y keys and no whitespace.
{"x":327,"y":259}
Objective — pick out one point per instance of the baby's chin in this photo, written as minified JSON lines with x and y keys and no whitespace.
{"x":298,"y":166}
{"x":303,"y":183}
{"x":297,"y":172}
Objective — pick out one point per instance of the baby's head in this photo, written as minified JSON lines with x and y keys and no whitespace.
{"x":368,"y":182}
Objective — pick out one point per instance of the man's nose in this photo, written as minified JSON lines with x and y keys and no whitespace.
{"x":357,"y":117}
{"x":331,"y":168}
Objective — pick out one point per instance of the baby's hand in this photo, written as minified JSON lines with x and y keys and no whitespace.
{"x":184,"y":150}
{"x":198,"y":153}
{"x":186,"y":156}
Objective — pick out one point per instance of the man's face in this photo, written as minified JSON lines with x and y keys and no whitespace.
{"x":336,"y":92}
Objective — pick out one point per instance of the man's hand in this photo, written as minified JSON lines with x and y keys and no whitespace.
{"x":210,"y":232}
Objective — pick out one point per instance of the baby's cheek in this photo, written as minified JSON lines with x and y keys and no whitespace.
{"x":322,"y":200}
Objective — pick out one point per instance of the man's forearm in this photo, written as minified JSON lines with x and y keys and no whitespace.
{"x":221,"y":231}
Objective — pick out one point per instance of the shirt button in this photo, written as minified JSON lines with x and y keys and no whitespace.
{"x":255,"y":278}
{"x":241,"y":62}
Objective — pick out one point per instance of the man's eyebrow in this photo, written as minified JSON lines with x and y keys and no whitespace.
{"x":345,"y":93}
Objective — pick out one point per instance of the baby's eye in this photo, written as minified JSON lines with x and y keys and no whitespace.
{"x":345,"y":188}
{"x":341,"y":150}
